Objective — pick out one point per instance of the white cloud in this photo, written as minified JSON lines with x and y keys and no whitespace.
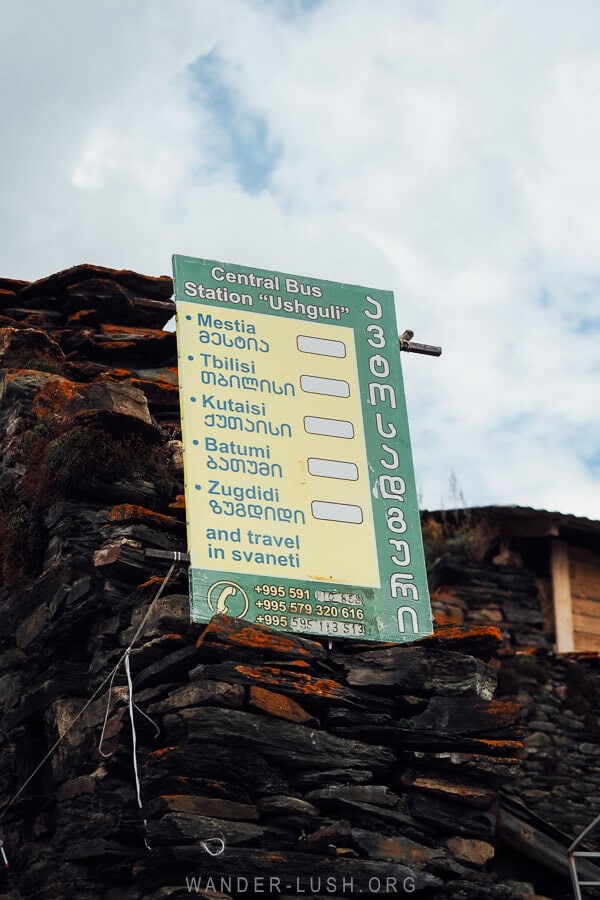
{"x":445,"y":150}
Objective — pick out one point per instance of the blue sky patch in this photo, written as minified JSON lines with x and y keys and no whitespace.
{"x":251,"y":152}
{"x":587,"y":326}
{"x":291,"y":9}
{"x":593,"y":463}
{"x":544,"y":298}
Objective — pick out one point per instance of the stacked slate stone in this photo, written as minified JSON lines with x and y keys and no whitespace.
{"x":503,"y":595}
{"x":560,"y":696}
{"x":272,"y":764}
{"x":558,"y":793}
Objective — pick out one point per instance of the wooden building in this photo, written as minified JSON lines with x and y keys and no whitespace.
{"x":562,"y":550}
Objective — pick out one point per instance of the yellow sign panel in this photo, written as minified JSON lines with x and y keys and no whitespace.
{"x":247,"y":424}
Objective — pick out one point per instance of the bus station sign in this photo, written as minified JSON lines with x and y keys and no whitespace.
{"x":301,"y":504}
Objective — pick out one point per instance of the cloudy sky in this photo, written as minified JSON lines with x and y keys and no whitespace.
{"x":448,"y":150}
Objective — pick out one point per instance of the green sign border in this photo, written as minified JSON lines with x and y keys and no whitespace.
{"x":400,"y":609}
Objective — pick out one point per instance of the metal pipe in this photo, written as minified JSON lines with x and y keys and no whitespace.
{"x":174,"y":555}
{"x":572,"y":853}
{"x":574,"y":878}
{"x":423,"y":349}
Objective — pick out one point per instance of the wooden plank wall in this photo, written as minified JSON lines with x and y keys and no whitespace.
{"x":561,"y":588}
{"x":584,"y":573}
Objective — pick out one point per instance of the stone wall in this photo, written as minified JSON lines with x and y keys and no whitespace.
{"x":381,"y":768}
{"x":560,"y":697}
{"x":559,"y":694}
{"x":467,"y":590}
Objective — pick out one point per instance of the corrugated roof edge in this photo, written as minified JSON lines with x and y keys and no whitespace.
{"x":580,"y":523}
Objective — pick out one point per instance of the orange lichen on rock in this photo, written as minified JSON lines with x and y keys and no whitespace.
{"x":119,"y":345}
{"x":455,"y":632}
{"x":507,"y":710}
{"x":137,"y":331}
{"x":55,"y":397}
{"x":60,"y":396}
{"x":324,"y":688}
{"x":500,"y":746}
{"x":482,"y":641}
{"x":81,"y":315}
{"x":154,"y":579}
{"x":162,"y":751}
{"x":19,"y":344}
{"x":472,"y":794}
{"x":229,"y":630}
{"x":156,"y":384}
{"x":471,"y":850}
{"x":117,"y":374}
{"x":277,"y":705}
{"x":442,"y":618}
{"x":296,"y":664}
{"x":27,"y":381}
{"x":125,"y":512}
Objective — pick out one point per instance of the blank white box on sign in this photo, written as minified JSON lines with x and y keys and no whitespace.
{"x":321,"y":346}
{"x":333,"y":468}
{"x":328,"y":427}
{"x":332,"y":387}
{"x":337,"y":512}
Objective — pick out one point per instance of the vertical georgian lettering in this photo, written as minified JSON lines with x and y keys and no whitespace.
{"x":414,"y":620}
{"x":378,"y":310}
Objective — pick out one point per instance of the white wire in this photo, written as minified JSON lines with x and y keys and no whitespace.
{"x":133,"y":731}
{"x":219,"y":841}
{"x":110,"y":687}
{"x":57,"y":742}
{"x":109,"y":677}
{"x":146,"y":716}
{"x":108,"y":705}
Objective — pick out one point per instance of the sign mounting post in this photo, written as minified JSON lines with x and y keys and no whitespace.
{"x":300,"y":494}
